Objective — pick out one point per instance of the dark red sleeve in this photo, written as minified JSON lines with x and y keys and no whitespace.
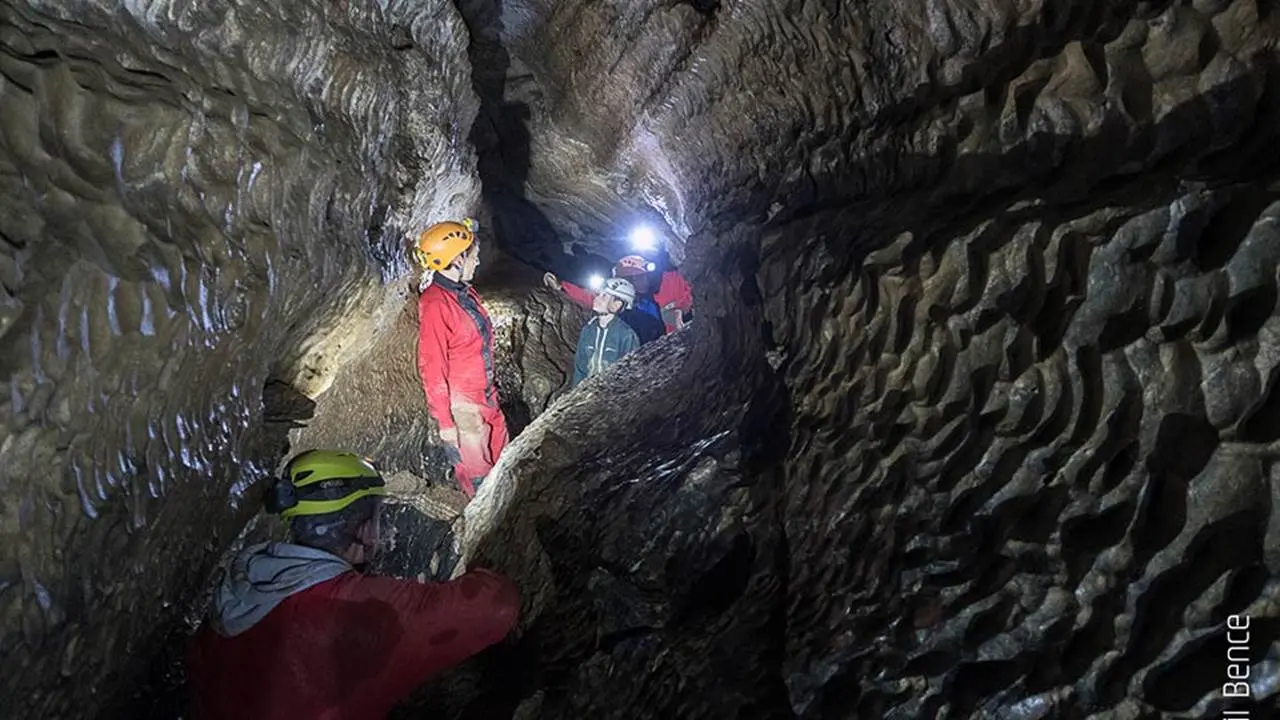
{"x":433,"y":358}
{"x":680,"y":293}
{"x":579,"y":295}
{"x":442,"y":624}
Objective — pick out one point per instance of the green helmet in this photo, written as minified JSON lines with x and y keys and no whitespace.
{"x":318,"y":482}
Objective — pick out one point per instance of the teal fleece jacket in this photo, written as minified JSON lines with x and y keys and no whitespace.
{"x":599,"y":347}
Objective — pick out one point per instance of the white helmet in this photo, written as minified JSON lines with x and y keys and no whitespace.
{"x":621,"y":289}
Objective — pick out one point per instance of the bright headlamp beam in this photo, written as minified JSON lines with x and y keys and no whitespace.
{"x":643,"y":238}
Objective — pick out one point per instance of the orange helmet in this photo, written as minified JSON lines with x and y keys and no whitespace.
{"x":439,"y":245}
{"x":632,"y":265}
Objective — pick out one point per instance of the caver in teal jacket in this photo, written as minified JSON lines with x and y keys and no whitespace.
{"x":599,"y":347}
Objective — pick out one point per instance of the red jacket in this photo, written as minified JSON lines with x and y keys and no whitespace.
{"x":349,"y":648}
{"x":455,"y":349}
{"x":673,"y":294}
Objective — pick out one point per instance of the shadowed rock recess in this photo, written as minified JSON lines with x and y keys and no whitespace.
{"x":979,"y":414}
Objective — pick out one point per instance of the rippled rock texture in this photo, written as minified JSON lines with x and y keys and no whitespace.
{"x":1064,"y":479}
{"x":976,"y":417}
{"x":1039,"y":475}
{"x":195,"y":198}
{"x":1017,"y":265}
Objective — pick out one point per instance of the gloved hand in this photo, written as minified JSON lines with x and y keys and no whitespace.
{"x":551,"y":281}
{"x":452,"y":454}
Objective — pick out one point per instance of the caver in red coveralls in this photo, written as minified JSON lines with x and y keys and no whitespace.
{"x":673,"y":297}
{"x":455,"y":360}
{"x":348,"y":648}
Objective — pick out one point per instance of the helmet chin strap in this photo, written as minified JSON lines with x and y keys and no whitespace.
{"x":424,"y":282}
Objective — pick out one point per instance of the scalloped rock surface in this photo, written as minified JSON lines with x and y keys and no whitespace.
{"x":978,"y":415}
{"x":1017,"y":266}
{"x":194,"y":199}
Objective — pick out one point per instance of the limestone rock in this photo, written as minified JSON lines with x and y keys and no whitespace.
{"x":976,"y":417}
{"x":195,"y":200}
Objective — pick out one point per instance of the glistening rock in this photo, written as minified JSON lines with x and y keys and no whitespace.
{"x":193,"y":199}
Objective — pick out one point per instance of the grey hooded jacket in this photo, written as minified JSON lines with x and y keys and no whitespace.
{"x":260,"y":578}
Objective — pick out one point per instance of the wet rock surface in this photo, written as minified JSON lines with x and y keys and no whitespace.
{"x":1068,"y":463}
{"x":1015,"y":263}
{"x":975,"y":418}
{"x":195,"y":200}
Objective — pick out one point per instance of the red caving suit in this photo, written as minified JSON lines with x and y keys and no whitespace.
{"x":290,"y":644}
{"x":455,"y":360}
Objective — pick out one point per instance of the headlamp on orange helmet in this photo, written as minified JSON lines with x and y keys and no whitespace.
{"x":632,"y":265}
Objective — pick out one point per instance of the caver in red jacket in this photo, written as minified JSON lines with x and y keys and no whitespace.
{"x":455,"y":360}
{"x":348,"y":648}
{"x":673,"y":295}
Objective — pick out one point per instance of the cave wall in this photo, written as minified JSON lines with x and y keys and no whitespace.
{"x":712,"y":114}
{"x":194,"y":199}
{"x":638,"y":515}
{"x":560,"y":130}
{"x":1015,"y":261}
{"x":1062,"y":476}
{"x":1033,"y":466}
{"x":1005,"y":256}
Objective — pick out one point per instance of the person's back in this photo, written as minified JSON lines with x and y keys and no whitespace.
{"x":298,"y":632}
{"x":350,"y":647}
{"x":454,"y":346}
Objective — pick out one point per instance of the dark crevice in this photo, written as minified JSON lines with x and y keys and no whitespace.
{"x":1159,"y":611}
{"x":975,"y":681}
{"x":1249,"y":311}
{"x":719,"y":587}
{"x":1231,"y":224}
{"x":706,"y":7}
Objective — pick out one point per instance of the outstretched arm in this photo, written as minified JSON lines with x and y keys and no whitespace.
{"x":581,"y":296}
{"x":440,"y":624}
{"x":683,"y":293}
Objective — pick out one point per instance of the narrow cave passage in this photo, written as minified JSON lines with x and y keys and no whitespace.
{"x":974,"y":414}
